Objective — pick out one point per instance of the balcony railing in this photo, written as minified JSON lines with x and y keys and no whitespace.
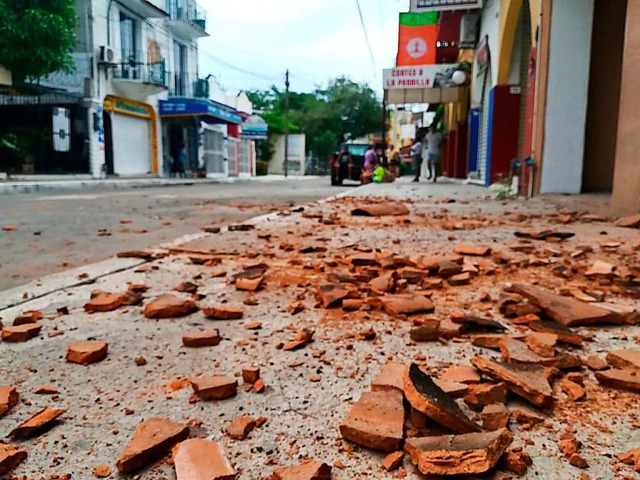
{"x":185,"y":85}
{"x":131,"y":67}
{"x":188,"y":11}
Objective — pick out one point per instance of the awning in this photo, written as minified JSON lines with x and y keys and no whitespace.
{"x":255,"y":128}
{"x":208,"y":110}
{"x":425,"y":95}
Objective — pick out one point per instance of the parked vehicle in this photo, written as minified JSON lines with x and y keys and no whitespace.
{"x":349,"y":168}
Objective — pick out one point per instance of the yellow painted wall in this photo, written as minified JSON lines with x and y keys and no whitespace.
{"x":509,"y":16}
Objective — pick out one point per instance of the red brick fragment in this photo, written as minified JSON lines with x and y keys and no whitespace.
{"x":461,"y":374}
{"x":468,"y":454}
{"x":86,"y":353}
{"x":460,"y":279}
{"x":8,"y":398}
{"x":472,"y":250}
{"x":186,"y":287}
{"x":249,"y":284}
{"x":393,"y":461}
{"x":391,"y":377}
{"x":481,"y":395}
{"x":376,"y":421}
{"x":251,"y":375}
{"x":10,"y":457}
{"x":44,"y":390}
{"x":542,"y":344}
{"x":241,"y":427}
{"x":21,"y":333}
{"x":406,"y":304}
{"x":140,"y":361}
{"x":621,"y":379}
{"x":31,"y":316}
{"x":38,"y":422}
{"x":151,"y":441}
{"x":169,"y":306}
{"x":309,"y":470}
{"x":215,"y":388}
{"x":495,"y":416}
{"x":296,"y":308}
{"x":105,"y":302}
{"x":624,"y":359}
{"x":331,"y":296}
{"x":223,"y":313}
{"x":302,"y":338}
{"x":210,"y":338}
{"x":380,"y":210}
{"x":199,"y":459}
{"x":517,"y":461}
{"x":259,"y":386}
{"x":632,"y":221}
{"x":101,"y":471}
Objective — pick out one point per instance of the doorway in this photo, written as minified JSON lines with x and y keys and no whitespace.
{"x":607,"y":47}
{"x":108,"y":143}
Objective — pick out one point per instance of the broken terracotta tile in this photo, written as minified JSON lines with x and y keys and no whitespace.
{"x":527,"y":418}
{"x":28,"y":317}
{"x":250,"y":375}
{"x":296,"y":308}
{"x":10,"y":457}
{"x":241,"y":427}
{"x":620,"y":379}
{"x":309,"y":470}
{"x":542,"y":344}
{"x":574,"y":391}
{"x":331,"y":296}
{"x":186,"y":287}
{"x":303,"y":337}
{"x":200,"y":459}
{"x":467,"y":454}
{"x":393,"y":461}
{"x":21,"y":333}
{"x":632,"y":221}
{"x":495,"y":417}
{"x":564,"y":334}
{"x":249,"y":284}
{"x":38,"y":422}
{"x":472,"y":250}
{"x":578,"y":461}
{"x":215,"y":388}
{"x":391,"y":377}
{"x":448,"y":269}
{"x":453,"y":389}
{"x":569,"y":311}
{"x":364,"y":260}
{"x":481,"y":395}
{"x":86,"y":353}
{"x":380,"y":210}
{"x":352,"y":304}
{"x":600,"y":269}
{"x":459,"y":279}
{"x":426,"y":397}
{"x":151,"y":441}
{"x":44,"y":390}
{"x":8,"y":398}
{"x":406,"y":304}
{"x":461,"y":374}
{"x":210,"y":338}
{"x":425,"y":334}
{"x":383,"y":284}
{"x":105,"y":302}
{"x":376,"y":421}
{"x":259,"y":386}
{"x":140,"y":361}
{"x":223,"y":313}
{"x":169,"y":306}
{"x":624,"y":359}
{"x":475,"y":323}
{"x":531,"y":382}
{"x":487,"y":341}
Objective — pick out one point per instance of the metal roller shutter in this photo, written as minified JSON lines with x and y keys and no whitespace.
{"x":525,"y":52}
{"x":131,"y":145}
{"x":214,"y":152}
{"x":483,"y":137}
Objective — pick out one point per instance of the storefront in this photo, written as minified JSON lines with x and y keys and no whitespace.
{"x":130,"y":138}
{"x":202,"y":131}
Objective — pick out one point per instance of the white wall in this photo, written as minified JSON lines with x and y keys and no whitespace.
{"x":5,"y":76}
{"x":489,"y":26}
{"x":567,"y":96}
{"x":296,"y":154}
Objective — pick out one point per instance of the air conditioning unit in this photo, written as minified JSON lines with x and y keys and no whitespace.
{"x":469,"y":30}
{"x":108,"y":55}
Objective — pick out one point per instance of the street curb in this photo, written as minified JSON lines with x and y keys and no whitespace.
{"x":56,"y":282}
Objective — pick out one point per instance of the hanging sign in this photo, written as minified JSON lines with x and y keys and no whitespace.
{"x":418,"y":35}
{"x":438,"y":5}
{"x":423,"y":76}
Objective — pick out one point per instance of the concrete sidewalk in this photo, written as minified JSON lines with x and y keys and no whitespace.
{"x":42,"y":185}
{"x":309,"y":390}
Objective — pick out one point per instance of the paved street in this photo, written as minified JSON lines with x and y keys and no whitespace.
{"x":57,"y":231}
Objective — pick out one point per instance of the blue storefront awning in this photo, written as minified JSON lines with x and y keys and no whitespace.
{"x":255,"y":128}
{"x":209,"y":111}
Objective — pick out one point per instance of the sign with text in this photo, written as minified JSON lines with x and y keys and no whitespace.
{"x":423,"y":76}
{"x":418,"y":34}
{"x":439,"y":5}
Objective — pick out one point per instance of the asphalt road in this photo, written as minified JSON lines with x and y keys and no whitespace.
{"x":58,"y":231}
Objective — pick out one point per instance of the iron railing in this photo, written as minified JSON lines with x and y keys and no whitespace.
{"x":188,"y":11}
{"x":131,"y":67}
{"x":186,"y":85}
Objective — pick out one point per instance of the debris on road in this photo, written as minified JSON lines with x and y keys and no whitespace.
{"x":169,"y":306}
{"x":197,"y":459}
{"x":85,"y":353}
{"x":39,"y":422}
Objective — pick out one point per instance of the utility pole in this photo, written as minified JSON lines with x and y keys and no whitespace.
{"x":286,"y":126}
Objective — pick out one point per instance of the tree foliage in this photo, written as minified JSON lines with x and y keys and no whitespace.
{"x":342,"y":111}
{"x":37,"y":37}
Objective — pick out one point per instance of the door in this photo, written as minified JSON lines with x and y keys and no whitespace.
{"x":245,"y":157}
{"x":214,"y":152}
{"x":131,"y":145}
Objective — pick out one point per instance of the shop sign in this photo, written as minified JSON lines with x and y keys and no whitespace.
{"x":424,"y":76}
{"x":439,"y":5}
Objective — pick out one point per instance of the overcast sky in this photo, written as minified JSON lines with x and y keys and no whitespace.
{"x":315,"y":39}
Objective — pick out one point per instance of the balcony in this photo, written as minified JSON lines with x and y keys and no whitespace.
{"x":187,"y":19}
{"x":135,"y":78}
{"x":145,"y":8}
{"x":188,"y":86}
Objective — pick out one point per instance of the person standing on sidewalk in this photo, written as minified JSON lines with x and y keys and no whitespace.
{"x":416,"y":159}
{"x":434,"y":153}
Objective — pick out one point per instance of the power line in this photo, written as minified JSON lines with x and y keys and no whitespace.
{"x":366,"y":37}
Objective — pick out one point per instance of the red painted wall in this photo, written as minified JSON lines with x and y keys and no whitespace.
{"x":504,"y":134}
{"x":460,"y":157}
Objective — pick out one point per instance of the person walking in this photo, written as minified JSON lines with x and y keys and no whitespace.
{"x":434,"y":152}
{"x":416,"y":159}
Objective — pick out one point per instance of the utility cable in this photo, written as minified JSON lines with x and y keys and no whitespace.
{"x":366,"y":37}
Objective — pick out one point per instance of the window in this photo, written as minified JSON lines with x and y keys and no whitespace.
{"x":128,"y":46}
{"x":179,"y":69}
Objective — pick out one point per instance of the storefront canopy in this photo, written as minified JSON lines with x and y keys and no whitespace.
{"x":208,"y":110}
{"x":255,"y":128}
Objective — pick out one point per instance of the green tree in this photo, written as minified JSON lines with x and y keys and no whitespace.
{"x":37,"y":37}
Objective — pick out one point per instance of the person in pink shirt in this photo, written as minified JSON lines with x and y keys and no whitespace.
{"x":369,"y":158}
